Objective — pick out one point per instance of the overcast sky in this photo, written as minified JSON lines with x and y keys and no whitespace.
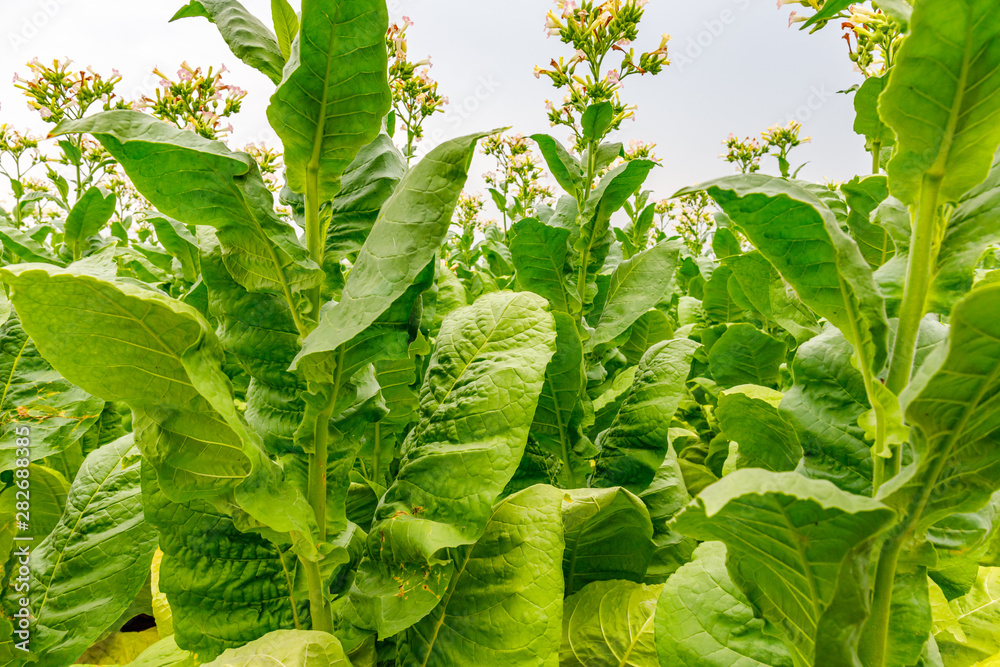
{"x":736,"y":68}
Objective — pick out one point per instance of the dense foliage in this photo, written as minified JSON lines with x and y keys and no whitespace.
{"x":308,"y":406}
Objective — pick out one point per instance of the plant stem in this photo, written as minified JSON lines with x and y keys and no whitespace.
{"x":319,"y":609}
{"x":314,"y":229}
{"x":581,"y":283}
{"x":377,"y":452}
{"x":317,"y":468}
{"x":876,"y":633}
{"x":918,"y":282}
{"x":876,"y":157}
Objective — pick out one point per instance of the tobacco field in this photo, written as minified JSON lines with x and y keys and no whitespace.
{"x":331,"y":403}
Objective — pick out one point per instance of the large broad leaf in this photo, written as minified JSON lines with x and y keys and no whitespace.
{"x":504,"y":604}
{"x":557,"y":426}
{"x":33,"y":394}
{"x":637,"y":285}
{"x":565,"y":168}
{"x":771,"y":296}
{"x":942,"y":100}
{"x":592,"y":241}
{"x":608,"y":536}
{"x":792,"y":549}
{"x":368,"y":182}
{"x":288,"y":648}
{"x":864,"y":195}
{"x":87,"y":217}
{"x":21,"y":245}
{"x":179,"y":242}
{"x":201,"y":182}
{"x":972,"y":634}
{"x":633,"y":449}
{"x":225,"y":587}
{"x":249,"y":39}
{"x":403,"y":241}
{"x":92,"y":565}
{"x":335,"y":92}
{"x":165,"y":653}
{"x":953,"y":408}
{"x":651,"y":328}
{"x":539,"y":255}
{"x":610,"y":623}
{"x":476,"y":406}
{"x":802,"y":238}
{"x":132,"y":344}
{"x":704,"y":620}
{"x":749,"y":415}
{"x":823,"y":407}
{"x":746,"y":355}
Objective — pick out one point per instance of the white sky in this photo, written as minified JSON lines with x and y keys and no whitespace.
{"x":736,"y":68}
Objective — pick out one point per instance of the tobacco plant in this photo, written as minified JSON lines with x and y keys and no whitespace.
{"x":356,"y":424}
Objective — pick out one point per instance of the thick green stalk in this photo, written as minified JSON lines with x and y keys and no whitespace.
{"x":319,"y":608}
{"x":581,"y":282}
{"x":876,"y":633}
{"x":876,"y":157}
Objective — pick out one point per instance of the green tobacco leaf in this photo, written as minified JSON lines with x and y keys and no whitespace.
{"x":952,"y":405}
{"x":92,"y":565}
{"x":366,"y":185}
{"x":608,"y":536}
{"x":704,"y":620}
{"x":610,"y":623}
{"x":476,"y":405}
{"x":829,"y":11}
{"x":864,"y":195}
{"x":867,"y":121}
{"x":637,"y":285}
{"x":823,"y":407}
{"x":167,"y":165}
{"x":557,"y":423}
{"x":132,"y":344}
{"x":802,"y":238}
{"x":768,"y":293}
{"x":47,"y":497}
{"x":249,"y":39}
{"x":975,"y":617}
{"x":746,"y":355}
{"x":34,"y":395}
{"x":942,"y":100}
{"x":333,"y":99}
{"x":288,"y":648}
{"x":596,"y":120}
{"x":87,"y":217}
{"x":286,"y":26}
{"x":179,"y":242}
{"x":503,"y":607}
{"x":225,"y":587}
{"x":25,"y":247}
{"x":408,"y":232}
{"x":539,"y":255}
{"x":564,"y":167}
{"x":652,"y":327}
{"x":165,"y":653}
{"x":787,"y":537}
{"x":633,"y":449}
{"x":749,"y":415}
{"x":593,"y":240}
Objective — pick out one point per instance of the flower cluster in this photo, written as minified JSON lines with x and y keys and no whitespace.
{"x":595,"y":29}
{"x":415,"y":95}
{"x":58,"y":92}
{"x":517,"y":181}
{"x":270,"y":162}
{"x":690,"y":217}
{"x":873,"y":37}
{"x":468,"y":210}
{"x":744,"y":153}
{"x":197,"y":100}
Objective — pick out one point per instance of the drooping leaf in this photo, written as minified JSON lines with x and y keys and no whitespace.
{"x":610,"y":623}
{"x":167,"y":165}
{"x":335,"y":94}
{"x":179,"y":242}
{"x":25,"y":247}
{"x":942,"y":100}
{"x":411,"y":226}
{"x":864,"y":195}
{"x":749,"y":415}
{"x":564,"y":167}
{"x":802,"y":238}
{"x":249,"y":39}
{"x":704,"y":620}
{"x":633,"y":449}
{"x":637,"y":285}
{"x":93,"y":563}
{"x":608,"y":536}
{"x":771,"y":296}
{"x":746,"y":355}
{"x":289,"y":648}
{"x":791,"y":543}
{"x":504,"y":604}
{"x":34,"y":395}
